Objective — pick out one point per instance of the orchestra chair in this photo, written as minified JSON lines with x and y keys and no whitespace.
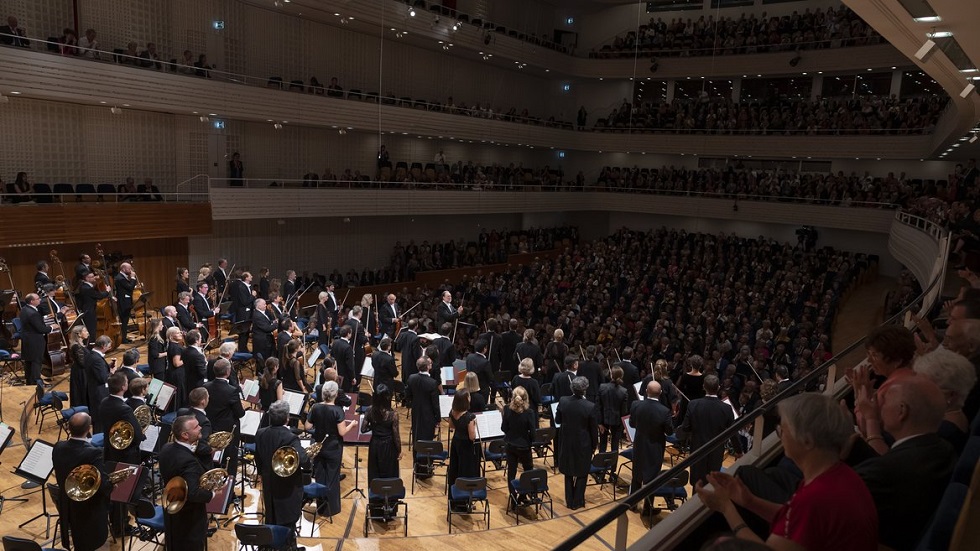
{"x":627,"y":463}
{"x":603,"y":469}
{"x":10,"y":543}
{"x":501,"y":384}
{"x":10,"y":362}
{"x":44,"y":405}
{"x":54,"y":492}
{"x":429,"y":454}
{"x":312,"y":493}
{"x":673,"y":491}
{"x":543,"y":444}
{"x":98,"y":439}
{"x":547,"y":399}
{"x":256,"y":537}
{"x":675,"y":449}
{"x":533,"y":487}
{"x":385,"y":496}
{"x":66,"y":414}
{"x":397,"y":393}
{"x":494,"y":452}
{"x":149,"y":522}
{"x":467,"y":492}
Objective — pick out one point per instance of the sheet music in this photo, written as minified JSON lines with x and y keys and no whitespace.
{"x":6,"y":433}
{"x":448,"y":374}
{"x":554,"y":413}
{"x":360,"y":423}
{"x":638,"y":393}
{"x":250,"y":388}
{"x":250,"y":423}
{"x":445,"y":405}
{"x":367,"y":370}
{"x":153,"y":390}
{"x":149,"y":445}
{"x":630,"y":431}
{"x":295,"y":401}
{"x":305,"y":443}
{"x":165,"y":395}
{"x":488,"y":425}
{"x":311,"y":361}
{"x":38,"y":463}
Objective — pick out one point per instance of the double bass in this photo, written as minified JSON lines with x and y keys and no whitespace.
{"x":107,"y":312}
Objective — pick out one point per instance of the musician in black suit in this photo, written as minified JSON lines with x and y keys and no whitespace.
{"x":113,"y":410}
{"x":125,"y":284}
{"x":706,"y":418}
{"x":631,"y":373}
{"x":289,"y":294}
{"x":589,"y":368}
{"x":324,"y":321}
{"x":226,"y":351}
{"x":195,"y":364}
{"x":359,"y":338}
{"x":422,"y":392}
{"x":83,"y":521}
{"x":493,"y":344}
{"x":652,"y":421}
{"x":203,"y":308}
{"x":33,"y":336}
{"x":283,"y":496}
{"x":276,"y":310}
{"x":384,"y":364}
{"x":97,"y":373}
{"x":242,"y":301}
{"x":137,"y":393}
{"x":388,"y":316}
{"x":41,"y":278}
{"x":446,"y":312}
{"x":130,"y":358}
{"x":197,"y":405}
{"x":87,"y":300}
{"x":528,"y":348}
{"x":478,"y":363}
{"x":447,"y":352}
{"x":408,"y":344}
{"x":187,"y":529}
{"x":262,"y":327}
{"x":185,"y":320}
{"x":49,"y":306}
{"x":225,"y":409}
{"x":220,"y":275}
{"x":82,"y":268}
{"x":561,"y":383}
{"x":170,"y":318}
{"x":343,"y":354}
{"x":577,"y":439}
{"x":508,"y":347}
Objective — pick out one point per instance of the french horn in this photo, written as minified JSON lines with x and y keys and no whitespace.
{"x":144,"y":415}
{"x":220,"y":440}
{"x":121,"y":435}
{"x":285,"y":461}
{"x":84,"y":481}
{"x":175,"y":492}
{"x":313,"y":449}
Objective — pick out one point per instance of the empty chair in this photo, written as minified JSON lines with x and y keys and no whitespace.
{"x":10,"y":543}
{"x":149,"y":521}
{"x":297,"y":86}
{"x":106,"y":189}
{"x":673,"y":491}
{"x":84,"y":192}
{"x":42,"y":193}
{"x":314,"y":493}
{"x":603,"y":469}
{"x":44,"y":404}
{"x":274,"y":82}
{"x":543,"y":444}
{"x":385,"y":498}
{"x":262,"y":536}
{"x":62,"y":190}
{"x":429,"y":455}
{"x":494,"y":452}
{"x":530,"y":490}
{"x":354,"y":93}
{"x":464,"y":495}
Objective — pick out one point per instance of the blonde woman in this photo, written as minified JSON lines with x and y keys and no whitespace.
{"x":77,"y":389}
{"x":519,"y":423}
{"x":478,"y":402}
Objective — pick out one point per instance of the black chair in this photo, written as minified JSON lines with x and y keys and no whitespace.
{"x":495,"y":452}
{"x":315,"y":492}
{"x":105,"y":189}
{"x":149,"y":522}
{"x":274,"y":82}
{"x":543,"y":444}
{"x":385,"y":497}
{"x":44,"y":405}
{"x":673,"y":491}
{"x":63,"y":190}
{"x":43,"y":193}
{"x":464,"y":495}
{"x":603,"y":470}
{"x":84,"y":192}
{"x":297,"y":86}
{"x":260,"y":537}
{"x":532,"y":491}
{"x":501,"y":383}
{"x":10,"y":543}
{"x":429,"y":455}
{"x":627,"y":463}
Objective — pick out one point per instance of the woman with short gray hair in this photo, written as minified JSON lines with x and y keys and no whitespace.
{"x":329,"y":428}
{"x":955,"y":376}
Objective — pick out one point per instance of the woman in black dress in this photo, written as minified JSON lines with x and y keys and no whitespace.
{"x":464,"y":451}
{"x":478,"y":402}
{"x":691,"y":384}
{"x":529,"y":383}
{"x":183,"y":281}
{"x":270,"y":387}
{"x":329,"y":428}
{"x":294,"y":374}
{"x":77,"y":388}
{"x":156,"y":349}
{"x":385,"y":448}
{"x":519,"y":424}
{"x":175,"y":366}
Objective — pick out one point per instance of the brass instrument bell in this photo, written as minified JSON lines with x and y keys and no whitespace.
{"x":121,"y":435}
{"x":144,"y":415}
{"x":285,"y":461}
{"x":220,"y":440}
{"x":313,"y":449}
{"x":84,"y":481}
{"x":175,"y":495}
{"x":213,"y":479}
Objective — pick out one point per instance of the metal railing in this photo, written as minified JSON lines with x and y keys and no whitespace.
{"x":606,"y":51}
{"x":622,"y":507}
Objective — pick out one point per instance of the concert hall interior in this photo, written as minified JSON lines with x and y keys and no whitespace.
{"x":395,"y":274}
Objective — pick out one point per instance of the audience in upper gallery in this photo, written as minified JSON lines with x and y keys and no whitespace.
{"x":747,"y":34}
{"x":150,"y":58}
{"x":89,"y":44}
{"x":186,"y":63}
{"x":68,"y":42}
{"x":826,"y":116}
{"x":12,"y":34}
{"x":334,"y":90}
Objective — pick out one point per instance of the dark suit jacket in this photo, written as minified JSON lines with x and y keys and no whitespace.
{"x":96,"y":375}
{"x":386,"y":315}
{"x":578,"y":436}
{"x":188,"y":528}
{"x":508,"y":345}
{"x":445,"y":314}
{"x":652,"y":421}
{"x":262,"y":327}
{"x":283,"y":496}
{"x":184,"y":319}
{"x":195,"y":368}
{"x":112,"y":410}
{"x":493,"y":350}
{"x":40,"y":280}
{"x":590,"y":370}
{"x":480,"y":364}
{"x":85,"y":520}
{"x":14,"y":37}
{"x":561,"y":384}
{"x":422,"y":392}
{"x":408,"y":344}
{"x":87,"y":299}
{"x":529,"y":350}
{"x":81,"y":269}
{"x":202,"y":308}
{"x":287,"y":292}
{"x":447,"y":352}
{"x":343,"y":354}
{"x":168,"y":323}
{"x":384,"y":368}
{"x":32,"y":335}
{"x":241,"y":300}
{"x":224,"y":405}
{"x":907,"y":484}
{"x":220,"y":279}
{"x":706,"y":418}
{"x":124,"y":288}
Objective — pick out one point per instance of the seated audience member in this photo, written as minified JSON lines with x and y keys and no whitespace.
{"x":201,"y":67}
{"x":69,"y":42}
{"x":186,"y":63}
{"x":89,"y":44}
{"x":315,"y":87}
{"x":128,"y":191}
{"x":150,"y":58}
{"x":12,"y":34}
{"x":130,"y":56}
{"x":831,"y":510}
{"x":148,"y":191}
{"x":956,"y":377}
{"x":22,"y":191}
{"x":334,"y":90}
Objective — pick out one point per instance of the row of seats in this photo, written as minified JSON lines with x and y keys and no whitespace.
{"x":61,"y":193}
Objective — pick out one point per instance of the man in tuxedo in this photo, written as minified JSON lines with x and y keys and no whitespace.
{"x":130,"y":358}
{"x":447,"y":352}
{"x":87,"y":300}
{"x":226,"y":351}
{"x":96,"y":376}
{"x":41,"y":278}
{"x":576,"y":441}
{"x":706,"y":418}
{"x":242,"y":301}
{"x":384,"y":365}
{"x":446,"y":312}
{"x":137,"y":393}
{"x":408,"y":344}
{"x":188,"y":528}
{"x":388,"y":316}
{"x":358,"y":337}
{"x":83,"y":521}
{"x":343,"y":354}
{"x":276,"y":309}
{"x":49,"y":306}
{"x":113,"y":410}
{"x":262,"y":327}
{"x":652,"y":421}
{"x":493,"y":344}
{"x":283,"y":496}
{"x":225,"y":409}
{"x":184,"y":318}
{"x":169,"y":318}
{"x":422,"y":392}
{"x":125,"y":284}
{"x":289,"y":294}
{"x":203,"y":308}
{"x":508,"y":347}
{"x":197,"y":405}
{"x":33,"y":336}
{"x":478,"y":363}
{"x":12,"y":34}
{"x":82,"y":268}
{"x":589,"y":368}
{"x":195,"y":364}
{"x":221,"y":275}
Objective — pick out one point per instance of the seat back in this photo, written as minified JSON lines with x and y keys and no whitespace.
{"x":39,"y":391}
{"x":544,"y":435}
{"x":387,"y":487}
{"x":145,"y":509}
{"x":54,"y":491}
{"x":428,"y":447}
{"x":605,"y":460}
{"x":254,"y":534}
{"x":470,"y":485}
{"x":497,"y":446}
{"x":680,"y":480}
{"x":10,"y":543}
{"x":546,"y":389}
{"x":43,"y":192}
{"x":534,"y":481}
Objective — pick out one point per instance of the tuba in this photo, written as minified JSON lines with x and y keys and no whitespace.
{"x":220,"y":440}
{"x":175,"y":493}
{"x":121,"y":435}
{"x":285,"y":461}
{"x":84,"y":481}
{"x":144,"y":415}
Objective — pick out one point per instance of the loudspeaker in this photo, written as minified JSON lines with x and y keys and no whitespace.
{"x":967,"y":91}
{"x":925,"y":51}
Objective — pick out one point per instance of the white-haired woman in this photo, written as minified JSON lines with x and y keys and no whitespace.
{"x":955,"y":376}
{"x":329,"y":428}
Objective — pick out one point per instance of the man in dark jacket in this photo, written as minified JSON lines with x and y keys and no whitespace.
{"x":224,"y":409}
{"x":114,"y":409}
{"x":384,"y":364}
{"x":84,"y":521}
{"x":422,"y":393}
{"x":705,"y":419}
{"x":652,"y":421}
{"x":33,"y":336}
{"x":343,"y":354}
{"x":576,"y":441}
{"x":478,"y":363}
{"x":188,"y":528}
{"x":283,"y":496}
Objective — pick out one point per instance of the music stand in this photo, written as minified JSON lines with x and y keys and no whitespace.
{"x":144,"y":298}
{"x":219,"y":502}
{"x":6,"y":434}
{"x":36,"y":467}
{"x":124,"y":491}
{"x":357,"y":439}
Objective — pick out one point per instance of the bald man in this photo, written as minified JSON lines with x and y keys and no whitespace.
{"x":652,"y":421}
{"x":84,"y":521}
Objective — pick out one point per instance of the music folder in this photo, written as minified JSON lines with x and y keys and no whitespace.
{"x":296,"y":401}
{"x":150,"y":443}
{"x":162,"y":393}
{"x":38,"y":463}
{"x":488,"y":425}
{"x":355,"y":436}
{"x":445,"y":405}
{"x":250,"y":423}
{"x":250,"y":391}
{"x":630,"y":431}
{"x":219,"y":503}
{"x":314,"y":356}
{"x":123,"y":492}
{"x":6,"y":433}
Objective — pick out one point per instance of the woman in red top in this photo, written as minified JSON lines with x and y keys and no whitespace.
{"x":831,"y":510}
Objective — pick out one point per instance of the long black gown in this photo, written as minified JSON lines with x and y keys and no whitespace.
{"x":383,"y":449}
{"x":175,"y":376}
{"x":326,"y":465}
{"x":464,"y":454}
{"x":77,"y":389}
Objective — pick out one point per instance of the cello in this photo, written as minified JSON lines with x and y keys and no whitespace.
{"x":107,"y":311}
